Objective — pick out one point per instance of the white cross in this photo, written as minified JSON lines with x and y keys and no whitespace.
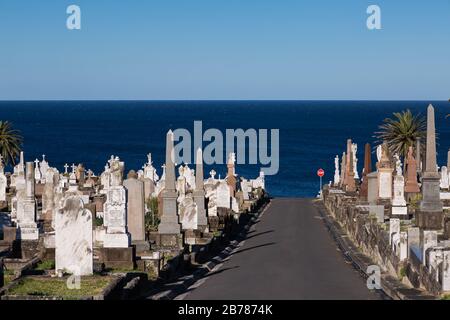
{"x":43,"y":157}
{"x":36,"y":162}
{"x":149,"y":158}
{"x":73,"y":167}
{"x":212,"y":173}
{"x":66,"y":166}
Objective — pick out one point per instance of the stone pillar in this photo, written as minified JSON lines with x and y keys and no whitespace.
{"x":199,"y":192}
{"x":26,"y":213}
{"x":349,"y":174}
{"x":135,"y":206}
{"x":430,"y":214}
{"x":448,"y":158}
{"x":169,"y":224}
{"x":367,"y":170}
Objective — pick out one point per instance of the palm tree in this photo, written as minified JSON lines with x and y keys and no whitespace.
{"x":10,"y":142}
{"x":401,"y":131}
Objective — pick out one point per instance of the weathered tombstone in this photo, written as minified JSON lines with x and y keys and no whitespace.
{"x":135,"y":206}
{"x":398,"y":201}
{"x":223,"y":195}
{"x":188,"y":214}
{"x":430,"y":214}
{"x":384,"y":173}
{"x":394,"y":228}
{"x":444,"y":182}
{"x":403,"y":246}
{"x":428,"y":240}
{"x":445,"y":270}
{"x":411,"y":185}
{"x":372,"y":187}
{"x":115,"y":210}
{"x":73,"y":237}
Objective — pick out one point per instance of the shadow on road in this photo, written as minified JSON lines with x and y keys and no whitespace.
{"x":258,"y":234}
{"x":254,"y":247}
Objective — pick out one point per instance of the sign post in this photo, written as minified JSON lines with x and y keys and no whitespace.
{"x":320,"y":173}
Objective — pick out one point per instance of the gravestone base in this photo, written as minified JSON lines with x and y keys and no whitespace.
{"x":190,"y":237}
{"x":447,"y":228}
{"x":122,"y":258}
{"x":116,"y":240}
{"x":28,"y":232}
{"x":28,"y":248}
{"x":213,"y":223}
{"x":9,"y":234}
{"x":2,"y":281}
{"x":401,"y":211}
{"x":171,"y":241}
{"x":141,"y":245}
{"x":429,"y":220}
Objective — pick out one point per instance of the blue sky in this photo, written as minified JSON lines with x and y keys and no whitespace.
{"x":225,"y":49}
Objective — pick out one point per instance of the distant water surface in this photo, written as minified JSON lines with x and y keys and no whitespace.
{"x":311,"y":132}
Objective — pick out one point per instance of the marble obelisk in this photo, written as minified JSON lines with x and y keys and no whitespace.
{"x":169,"y":224}
{"x":430,"y":213}
{"x":199,"y":192}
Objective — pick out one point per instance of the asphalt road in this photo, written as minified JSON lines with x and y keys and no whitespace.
{"x":288,"y":254}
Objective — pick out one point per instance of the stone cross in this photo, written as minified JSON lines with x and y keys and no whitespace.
{"x":212,"y":173}
{"x":66,"y":167}
{"x":74,"y":167}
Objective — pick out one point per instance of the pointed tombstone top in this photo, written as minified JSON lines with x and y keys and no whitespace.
{"x":430,"y":165}
{"x":199,"y":169}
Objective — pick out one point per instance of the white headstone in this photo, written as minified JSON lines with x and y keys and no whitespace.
{"x":73,"y":238}
{"x":444,"y":178}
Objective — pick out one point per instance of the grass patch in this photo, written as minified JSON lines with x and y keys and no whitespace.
{"x":46,"y":265}
{"x":57,"y":287}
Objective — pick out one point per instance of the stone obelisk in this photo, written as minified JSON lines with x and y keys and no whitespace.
{"x":199,"y":192}
{"x":350,"y":174}
{"x":367,"y":169}
{"x":169,"y":226}
{"x":430,"y":213}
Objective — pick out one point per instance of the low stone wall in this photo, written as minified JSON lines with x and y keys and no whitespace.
{"x":372,"y":239}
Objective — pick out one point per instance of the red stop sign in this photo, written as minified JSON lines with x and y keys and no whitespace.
{"x":320,"y":172}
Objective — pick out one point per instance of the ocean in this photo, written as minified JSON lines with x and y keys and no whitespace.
{"x":312,"y":133}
